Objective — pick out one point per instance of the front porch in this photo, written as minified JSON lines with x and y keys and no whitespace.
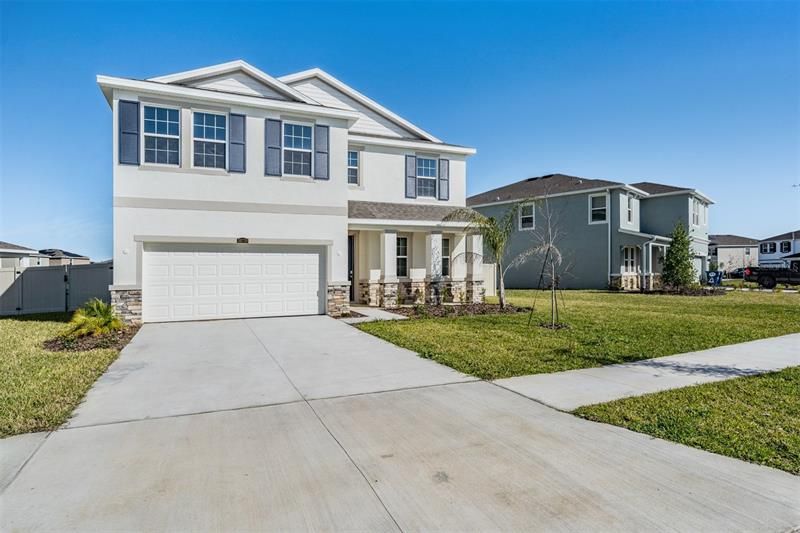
{"x":640,"y":267}
{"x":406,"y":265}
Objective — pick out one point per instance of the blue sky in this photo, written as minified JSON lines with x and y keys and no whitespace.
{"x":703,"y":94}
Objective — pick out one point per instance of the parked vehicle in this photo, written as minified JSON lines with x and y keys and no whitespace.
{"x":770,"y":277}
{"x":737,"y":273}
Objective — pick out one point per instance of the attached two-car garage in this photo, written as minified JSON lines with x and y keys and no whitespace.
{"x":212,"y":281}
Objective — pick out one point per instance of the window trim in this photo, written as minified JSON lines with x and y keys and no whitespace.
{"x":398,"y":256}
{"x":604,"y":208}
{"x":766,"y":245}
{"x":227,"y":116}
{"x":435,"y":178}
{"x":789,"y":247}
{"x":629,"y":207}
{"x":696,"y":207}
{"x":142,"y":143}
{"x":284,"y":123}
{"x":520,"y":216}
{"x":447,"y":257}
{"x":357,"y":167}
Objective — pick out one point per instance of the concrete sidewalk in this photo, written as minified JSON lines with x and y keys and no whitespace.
{"x":572,"y":389}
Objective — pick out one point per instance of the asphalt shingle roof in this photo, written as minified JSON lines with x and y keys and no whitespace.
{"x":56,"y":253}
{"x":657,"y":188}
{"x":9,"y":246}
{"x":539,"y":186}
{"x":732,"y":240}
{"x":784,"y":236}
{"x":390,"y":211}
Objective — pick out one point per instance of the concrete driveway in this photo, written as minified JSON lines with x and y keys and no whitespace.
{"x":307,"y":423}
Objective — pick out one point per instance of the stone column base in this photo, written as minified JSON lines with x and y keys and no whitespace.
{"x":128,"y":305}
{"x":475,"y":292}
{"x":390,"y":298}
{"x":436,"y":293}
{"x":338,"y":299}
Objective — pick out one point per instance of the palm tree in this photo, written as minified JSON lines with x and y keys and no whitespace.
{"x":496,"y":235}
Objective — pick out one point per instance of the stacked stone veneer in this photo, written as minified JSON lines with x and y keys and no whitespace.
{"x":626,"y":282}
{"x":338,"y":299}
{"x":128,"y":304}
{"x":389,"y":295}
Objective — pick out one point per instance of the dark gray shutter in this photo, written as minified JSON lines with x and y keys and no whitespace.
{"x":237,"y":151}
{"x":444,"y":179}
{"x":272,"y":152}
{"x":128,"y":138}
{"x":411,"y":176}
{"x":321,"y":153}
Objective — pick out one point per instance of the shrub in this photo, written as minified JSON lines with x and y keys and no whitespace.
{"x":95,"y":318}
{"x":678,"y":270}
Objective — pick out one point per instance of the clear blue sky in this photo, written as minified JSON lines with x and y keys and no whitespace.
{"x":687,"y":93}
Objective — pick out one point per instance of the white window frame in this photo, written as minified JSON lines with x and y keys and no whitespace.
{"x":629,"y":206}
{"x":521,"y":215}
{"x":446,"y":257}
{"x":141,"y":128}
{"x":435,"y":178}
{"x":768,"y":245}
{"x":225,"y":142}
{"x":695,"y":212}
{"x":634,"y":268}
{"x":357,"y":167}
{"x":398,"y":256}
{"x":311,"y":125}
{"x":789,"y":247}
{"x":604,"y":209}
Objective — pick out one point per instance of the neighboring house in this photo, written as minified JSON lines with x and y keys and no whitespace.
{"x":61,"y":257}
{"x":237,"y":194}
{"x":19,"y":257}
{"x":730,"y":252}
{"x":610,"y":234}
{"x":776,"y":251}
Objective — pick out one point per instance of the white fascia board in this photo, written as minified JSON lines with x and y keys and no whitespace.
{"x":556,"y":195}
{"x":411,"y":145}
{"x":645,"y":235}
{"x":232,"y":66}
{"x":381,"y":223}
{"x":691,"y":192}
{"x":204,"y":95}
{"x":357,"y":96}
{"x":18,"y":253}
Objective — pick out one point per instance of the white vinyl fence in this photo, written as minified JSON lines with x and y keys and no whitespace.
{"x":52,"y":288}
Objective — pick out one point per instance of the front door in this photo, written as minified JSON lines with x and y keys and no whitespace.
{"x":351,"y":256}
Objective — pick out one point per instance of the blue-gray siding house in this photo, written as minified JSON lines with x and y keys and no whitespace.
{"x":611,"y":234}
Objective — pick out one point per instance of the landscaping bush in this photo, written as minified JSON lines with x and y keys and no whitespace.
{"x":94,"y":319}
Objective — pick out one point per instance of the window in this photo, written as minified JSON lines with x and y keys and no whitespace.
{"x":629,"y":263}
{"x":352,"y":167}
{"x":526,"y":217}
{"x":786,"y":247}
{"x":161,"y":135}
{"x":695,"y":212}
{"x":426,"y":177}
{"x":630,"y":209}
{"x":747,"y":251}
{"x":597,"y":208}
{"x":768,"y":248}
{"x":445,"y":257}
{"x":297,"y":149}
{"x":402,"y":257}
{"x":209,"y":140}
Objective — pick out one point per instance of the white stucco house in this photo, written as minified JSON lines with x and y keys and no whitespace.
{"x":778,"y":251}
{"x":239,"y":194}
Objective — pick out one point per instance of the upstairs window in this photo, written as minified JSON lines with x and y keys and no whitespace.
{"x":630,"y":209}
{"x":426,"y":177}
{"x":161,"y":135}
{"x":786,"y":247}
{"x":210,"y":140}
{"x":526,"y":217}
{"x":597,"y":208}
{"x":768,"y":248}
{"x":445,"y":257}
{"x":695,"y":212}
{"x":297,"y":149}
{"x":352,"y":167}
{"x":402,"y":257}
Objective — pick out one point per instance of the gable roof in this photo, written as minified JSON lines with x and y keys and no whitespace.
{"x":547,"y":185}
{"x":360,"y":98}
{"x":658,"y":188}
{"x":10,"y":247}
{"x":731,"y":240}
{"x":213,"y":71}
{"x":55,"y":253}
{"x":792,"y":235}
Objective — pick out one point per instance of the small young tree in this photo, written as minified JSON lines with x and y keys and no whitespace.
{"x":678,"y":270}
{"x":546,"y":239}
{"x":496,"y":235}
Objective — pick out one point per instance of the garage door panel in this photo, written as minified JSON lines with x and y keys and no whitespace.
{"x":202,"y":283}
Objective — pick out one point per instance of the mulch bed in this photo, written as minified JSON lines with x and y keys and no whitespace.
{"x":691,"y":291}
{"x":428,"y":311}
{"x":116,"y":340}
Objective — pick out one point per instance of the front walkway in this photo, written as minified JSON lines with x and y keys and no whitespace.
{"x":575,"y":388}
{"x":309,"y":424}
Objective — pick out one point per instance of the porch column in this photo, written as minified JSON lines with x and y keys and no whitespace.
{"x":433,"y":255}
{"x":458,"y":257}
{"x":389,"y":267}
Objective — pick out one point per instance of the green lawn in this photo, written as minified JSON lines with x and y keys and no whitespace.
{"x":754,"y":418}
{"x":38,"y":388}
{"x":605,"y":328}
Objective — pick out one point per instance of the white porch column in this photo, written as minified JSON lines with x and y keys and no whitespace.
{"x":389,"y":255}
{"x":433,"y":255}
{"x":458,"y":257}
{"x":475,"y":257}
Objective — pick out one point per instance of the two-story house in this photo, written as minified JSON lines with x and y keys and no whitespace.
{"x":730,"y":252}
{"x":610,"y":234}
{"x":238,"y":194}
{"x":781,"y":251}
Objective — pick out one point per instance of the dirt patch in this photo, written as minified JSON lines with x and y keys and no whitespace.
{"x":429,"y":311}
{"x":116,"y":340}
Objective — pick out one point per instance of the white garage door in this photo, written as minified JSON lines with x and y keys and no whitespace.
{"x":202,"y":282}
